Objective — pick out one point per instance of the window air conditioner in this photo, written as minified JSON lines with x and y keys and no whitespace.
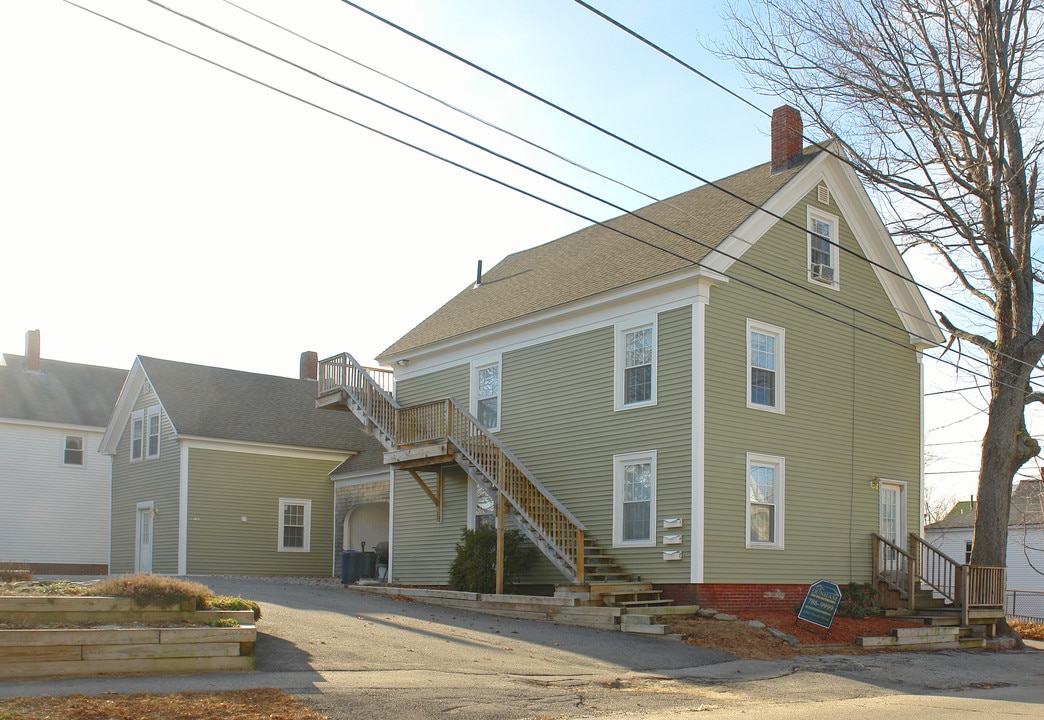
{"x":822,"y":272}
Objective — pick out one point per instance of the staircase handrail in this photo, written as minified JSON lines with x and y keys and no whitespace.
{"x":938,"y":570}
{"x":427,"y":422}
{"x":343,"y":372}
{"x":477,"y":428}
{"x":903,"y":565}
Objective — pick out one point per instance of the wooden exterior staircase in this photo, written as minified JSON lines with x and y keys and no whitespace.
{"x":923,"y":583}
{"x":426,"y":438}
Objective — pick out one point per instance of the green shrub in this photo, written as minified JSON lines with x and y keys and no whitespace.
{"x":474,"y":569}
{"x":856,"y":599}
{"x":15,"y":572}
{"x":223,"y":622}
{"x":228,"y":602}
{"x":153,"y":590}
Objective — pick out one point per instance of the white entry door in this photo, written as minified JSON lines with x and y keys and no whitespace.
{"x":892,"y":522}
{"x":143,"y":538}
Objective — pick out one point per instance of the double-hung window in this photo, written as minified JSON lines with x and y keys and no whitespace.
{"x":145,"y":433}
{"x":152,"y":427}
{"x":73,"y":450}
{"x":822,"y":247}
{"x":634,"y":498}
{"x":764,"y":501}
{"x":137,"y":448}
{"x":485,"y":394}
{"x":635,"y":366}
{"x":765,"y":346}
{"x":295,"y":525}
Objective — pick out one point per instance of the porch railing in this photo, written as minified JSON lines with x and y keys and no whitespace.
{"x":967,"y":587}
{"x":482,"y":451}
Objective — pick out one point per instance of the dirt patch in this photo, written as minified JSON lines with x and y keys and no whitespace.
{"x":263,"y":704}
{"x":750,"y":643}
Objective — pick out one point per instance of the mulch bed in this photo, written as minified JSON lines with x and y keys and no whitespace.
{"x":843,"y":631}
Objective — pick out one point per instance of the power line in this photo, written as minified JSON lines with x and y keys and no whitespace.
{"x":575,"y":189}
{"x":483,"y":175}
{"x":641,"y":38}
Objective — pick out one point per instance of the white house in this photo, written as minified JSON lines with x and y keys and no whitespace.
{"x":953,"y":535}
{"x":54,"y":515}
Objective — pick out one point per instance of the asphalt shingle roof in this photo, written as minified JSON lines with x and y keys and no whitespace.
{"x":61,"y":392}
{"x":224,"y":404}
{"x":598,"y":259}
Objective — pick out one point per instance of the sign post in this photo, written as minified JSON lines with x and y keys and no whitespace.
{"x":820,"y":605}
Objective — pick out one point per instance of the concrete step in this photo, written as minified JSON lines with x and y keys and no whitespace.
{"x":643,"y":629}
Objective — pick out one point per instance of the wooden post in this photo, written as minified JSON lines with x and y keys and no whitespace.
{"x":579,"y":557}
{"x":500,"y":543}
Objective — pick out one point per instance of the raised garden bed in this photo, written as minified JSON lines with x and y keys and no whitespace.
{"x":47,"y":636}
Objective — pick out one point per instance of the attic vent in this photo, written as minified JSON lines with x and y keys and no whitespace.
{"x":146,"y":388}
{"x":824,"y":194}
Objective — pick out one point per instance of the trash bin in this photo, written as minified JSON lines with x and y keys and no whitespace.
{"x":356,"y":565}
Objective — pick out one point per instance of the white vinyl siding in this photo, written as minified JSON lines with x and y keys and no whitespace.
{"x":53,"y":512}
{"x":764,"y":501}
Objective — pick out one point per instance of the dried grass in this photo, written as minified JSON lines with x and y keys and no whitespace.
{"x":262,"y":704}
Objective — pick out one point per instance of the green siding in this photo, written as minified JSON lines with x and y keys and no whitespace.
{"x":225,"y":487}
{"x":552,"y":394}
{"x":153,"y":480}
{"x":852,"y":413}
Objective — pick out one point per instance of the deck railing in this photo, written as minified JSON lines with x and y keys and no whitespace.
{"x":967,"y":587}
{"x":447,"y":420}
{"x":894,"y":566}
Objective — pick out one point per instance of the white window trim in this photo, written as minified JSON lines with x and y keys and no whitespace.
{"x":619,"y":462}
{"x":83,"y":451}
{"x":283,"y":502}
{"x":781,"y":342}
{"x":779,"y":463}
{"x":621,"y":330}
{"x":480,"y":364}
{"x":137,"y":415}
{"x":152,"y":412}
{"x":834,"y":221}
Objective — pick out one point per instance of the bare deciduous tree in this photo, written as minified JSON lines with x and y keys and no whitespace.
{"x":937,"y":103}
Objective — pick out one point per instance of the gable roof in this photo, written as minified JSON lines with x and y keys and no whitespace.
{"x":221,"y":404}
{"x":60,"y":392}
{"x":1027,"y":508}
{"x":598,"y":259}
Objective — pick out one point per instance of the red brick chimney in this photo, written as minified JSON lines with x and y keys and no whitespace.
{"x":787,"y":140}
{"x":32,"y":350}
{"x":309,"y":365}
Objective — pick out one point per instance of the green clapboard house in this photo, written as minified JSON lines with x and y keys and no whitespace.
{"x":218,"y":471}
{"x":718,"y":395}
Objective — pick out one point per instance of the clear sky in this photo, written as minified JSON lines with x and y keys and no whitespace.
{"x":154,"y":204}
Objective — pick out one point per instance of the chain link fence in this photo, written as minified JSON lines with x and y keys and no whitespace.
{"x":1026,"y":605}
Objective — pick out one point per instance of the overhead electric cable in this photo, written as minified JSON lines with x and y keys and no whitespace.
{"x":477,"y":172}
{"x":659,"y":158}
{"x":825,"y":148}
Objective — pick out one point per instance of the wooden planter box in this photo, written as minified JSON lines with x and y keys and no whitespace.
{"x":117,"y":644}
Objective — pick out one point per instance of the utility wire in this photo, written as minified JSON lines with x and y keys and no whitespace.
{"x":825,"y":148}
{"x":661,"y":159}
{"x":560,"y":182}
{"x":466,"y":168}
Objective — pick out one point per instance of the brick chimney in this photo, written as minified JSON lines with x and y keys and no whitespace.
{"x":32,"y":350}
{"x":309,"y":365}
{"x":787,"y":140}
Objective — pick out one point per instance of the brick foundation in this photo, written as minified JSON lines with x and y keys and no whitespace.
{"x":67,"y":568}
{"x":731,"y":597}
